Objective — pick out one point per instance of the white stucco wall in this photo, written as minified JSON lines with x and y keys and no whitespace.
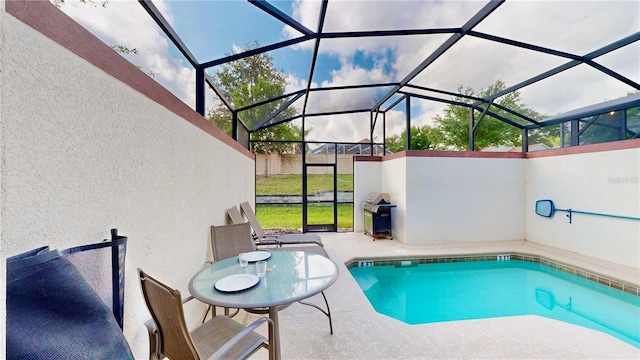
{"x":83,"y":153}
{"x":394,"y":182}
{"x":366,"y":179}
{"x":448,"y":198}
{"x":456,"y":199}
{"x":465,"y":199}
{"x":602,"y":182}
{"x":3,"y":270}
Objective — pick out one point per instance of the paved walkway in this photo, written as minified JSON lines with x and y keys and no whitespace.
{"x":362,"y":333}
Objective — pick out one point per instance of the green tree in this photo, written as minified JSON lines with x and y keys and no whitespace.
{"x":454,"y":122}
{"x":548,"y":135}
{"x":252,"y":80}
{"x":422,"y":138}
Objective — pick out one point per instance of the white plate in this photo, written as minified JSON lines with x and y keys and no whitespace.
{"x":257,"y":255}
{"x":237,"y":282}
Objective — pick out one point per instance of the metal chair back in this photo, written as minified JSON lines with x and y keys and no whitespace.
{"x":165,"y":306}
{"x":230,"y":240}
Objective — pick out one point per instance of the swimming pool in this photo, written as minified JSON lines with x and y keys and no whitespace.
{"x":425,"y":293}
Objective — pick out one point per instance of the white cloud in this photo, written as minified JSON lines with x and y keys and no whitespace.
{"x":295,"y":83}
{"x":339,"y":128}
{"x":236,"y":49}
{"x":306,"y":12}
{"x":351,"y":73}
{"x":126,"y":23}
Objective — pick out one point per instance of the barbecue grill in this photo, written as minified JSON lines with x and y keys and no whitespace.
{"x":377,"y":215}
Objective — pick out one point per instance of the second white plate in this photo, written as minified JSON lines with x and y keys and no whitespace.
{"x":257,"y":255}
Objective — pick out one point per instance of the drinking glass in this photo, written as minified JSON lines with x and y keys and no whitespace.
{"x":261,"y":268}
{"x":244,"y":261}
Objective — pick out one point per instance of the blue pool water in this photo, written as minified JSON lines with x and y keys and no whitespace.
{"x":437,"y":292}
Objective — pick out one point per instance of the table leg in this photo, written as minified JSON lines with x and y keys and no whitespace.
{"x":274,"y":334}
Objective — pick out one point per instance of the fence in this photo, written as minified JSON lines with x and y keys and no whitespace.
{"x":280,"y":164}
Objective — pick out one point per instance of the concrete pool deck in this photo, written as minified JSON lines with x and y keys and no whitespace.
{"x":362,"y":333}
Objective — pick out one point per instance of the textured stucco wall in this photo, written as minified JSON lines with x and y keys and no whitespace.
{"x":602,"y":182}
{"x":366,"y":179}
{"x":83,"y":153}
{"x":464,"y":197}
{"x":3,"y":272}
{"x":394,"y":181}
{"x":455,"y":199}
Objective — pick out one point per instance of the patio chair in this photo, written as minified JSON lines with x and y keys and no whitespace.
{"x":237,"y":218}
{"x":230,"y":240}
{"x":220,"y":337}
{"x":274,"y":239}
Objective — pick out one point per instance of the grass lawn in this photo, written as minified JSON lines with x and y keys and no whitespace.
{"x":292,"y":184}
{"x":290,"y":217}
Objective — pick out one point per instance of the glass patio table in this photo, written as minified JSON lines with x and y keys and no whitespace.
{"x":291,"y":276}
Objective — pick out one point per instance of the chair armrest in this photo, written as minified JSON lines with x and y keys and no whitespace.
{"x":268,"y":241}
{"x":154,"y":340}
{"x":319,"y":243}
{"x":236,"y":339}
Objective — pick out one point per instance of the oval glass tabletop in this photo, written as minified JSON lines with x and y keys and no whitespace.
{"x":291,"y":276}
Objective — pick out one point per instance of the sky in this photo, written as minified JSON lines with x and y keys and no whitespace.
{"x":211,"y":28}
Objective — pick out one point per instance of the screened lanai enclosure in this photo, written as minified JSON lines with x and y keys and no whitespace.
{"x":309,"y":84}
